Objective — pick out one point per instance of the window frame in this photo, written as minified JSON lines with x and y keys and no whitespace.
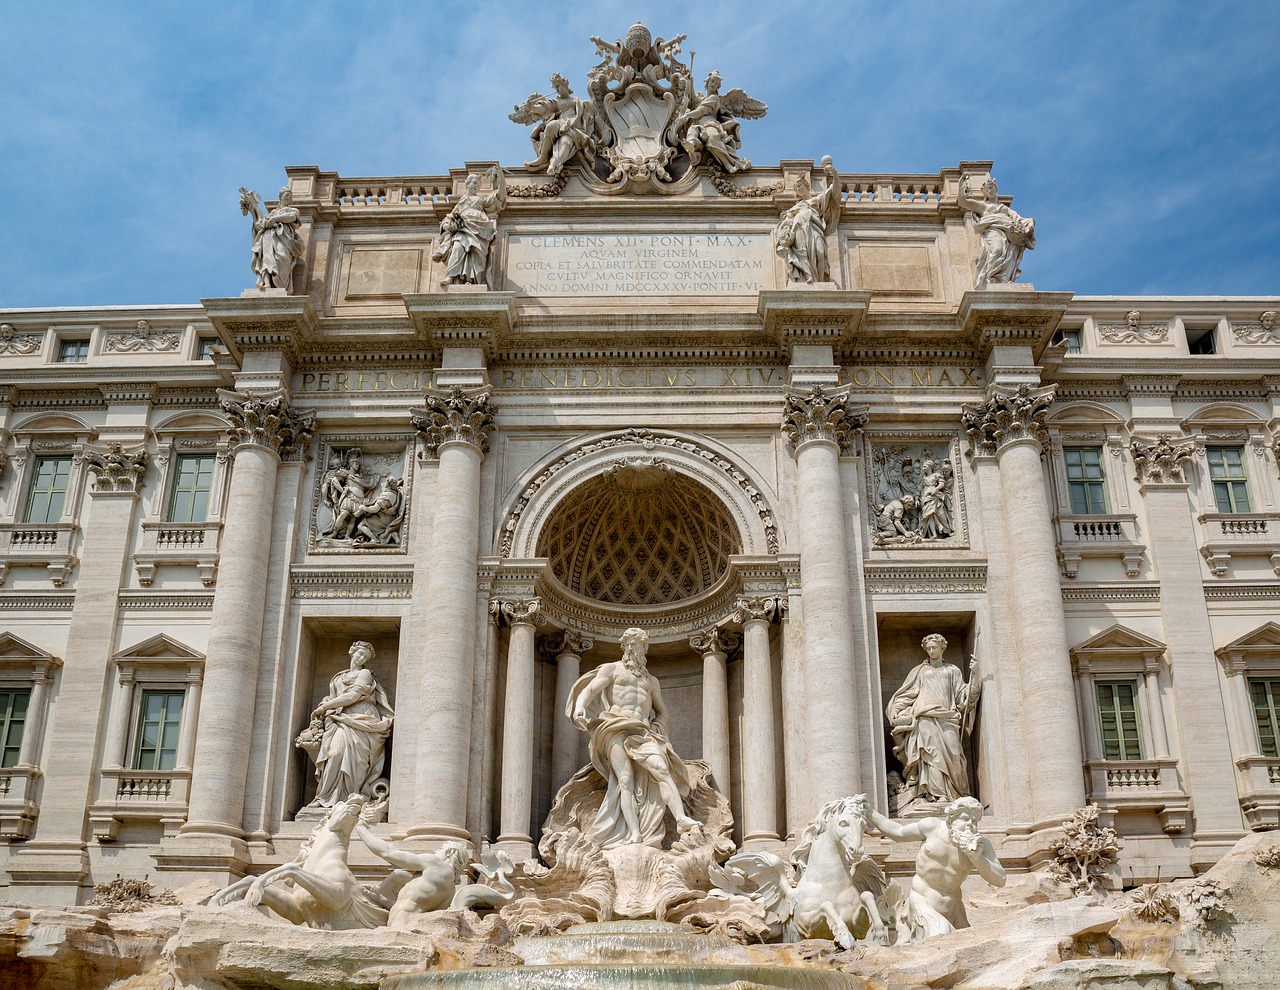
{"x":1088,"y":485}
{"x":1271,"y":687}
{"x":34,"y":477}
{"x":1112,"y":684}
{"x":137,"y":749}
{"x":1231,"y":483}
{"x":81,"y":356}
{"x":175,"y":491}
{"x":7,"y":723}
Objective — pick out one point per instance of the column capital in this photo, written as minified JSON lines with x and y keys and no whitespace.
{"x":758,"y":608}
{"x":1159,"y":462}
{"x":821,"y":415}
{"x":265,"y":419}
{"x":117,"y":468}
{"x":1009,"y":415}
{"x":568,"y":642}
{"x":456,"y":414}
{"x":714,"y":640}
{"x":516,"y":610}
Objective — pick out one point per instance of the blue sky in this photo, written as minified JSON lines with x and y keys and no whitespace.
{"x":1143,"y":137}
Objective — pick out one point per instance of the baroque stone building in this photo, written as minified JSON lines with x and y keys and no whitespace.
{"x":486,"y":421}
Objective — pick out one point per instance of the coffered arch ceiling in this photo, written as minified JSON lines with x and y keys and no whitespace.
{"x":640,"y":534}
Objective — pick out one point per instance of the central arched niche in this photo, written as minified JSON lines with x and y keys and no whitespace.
{"x":639,"y":534}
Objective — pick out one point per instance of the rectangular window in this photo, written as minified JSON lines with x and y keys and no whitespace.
{"x":1070,"y":339}
{"x":73,"y":351}
{"x":1118,"y":716}
{"x":1085,"y":481}
{"x":13,"y":719}
{"x":204,"y":348}
{"x":1226,"y":471}
{"x":158,"y":726}
{"x":1266,"y":709}
{"x":48,"y":491}
{"x":192,"y":482}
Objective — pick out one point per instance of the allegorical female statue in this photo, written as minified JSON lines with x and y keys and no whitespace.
{"x":467,"y":233}
{"x":801,"y":235}
{"x":1005,"y":235}
{"x":276,"y":244}
{"x":348,"y":732}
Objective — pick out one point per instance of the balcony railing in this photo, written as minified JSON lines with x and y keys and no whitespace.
{"x":1239,"y":534}
{"x":1098,"y":536}
{"x":50,"y":544}
{"x":170,"y":543}
{"x":124,"y":795}
{"x":1260,"y":790}
{"x":1139,"y":785}
{"x":18,"y":801}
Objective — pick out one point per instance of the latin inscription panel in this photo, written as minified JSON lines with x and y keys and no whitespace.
{"x":638,"y":264}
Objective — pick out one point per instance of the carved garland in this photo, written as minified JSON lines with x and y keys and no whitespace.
{"x":459,"y":414}
{"x":1264,"y":331}
{"x":649,"y":440}
{"x":822,"y":415}
{"x":11,"y":342}
{"x":264,"y":419}
{"x":1006,"y":417}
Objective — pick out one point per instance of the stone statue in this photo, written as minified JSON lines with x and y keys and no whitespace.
{"x":890,"y":522}
{"x":563,"y":126}
{"x":708,"y":126}
{"x":434,"y":879}
{"x":620,"y":705}
{"x":837,"y":887}
{"x":1005,"y":235}
{"x":929,"y":718}
{"x":913,"y":485}
{"x":365,"y":511}
{"x":276,"y":243}
{"x":319,"y":889}
{"x":348,"y":733}
{"x":801,"y":235}
{"x":467,"y":233}
{"x":951,"y":849}
{"x":935,"y":500}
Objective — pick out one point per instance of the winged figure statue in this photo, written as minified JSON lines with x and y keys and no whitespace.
{"x":710,"y":126}
{"x":563,"y":126}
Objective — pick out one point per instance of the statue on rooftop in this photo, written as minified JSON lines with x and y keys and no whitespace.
{"x":563,"y":126}
{"x":710,"y":126}
{"x":277,"y":245}
{"x":467,"y":233}
{"x":801,"y":235}
{"x":1005,"y":235}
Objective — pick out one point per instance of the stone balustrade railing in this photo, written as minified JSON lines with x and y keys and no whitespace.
{"x":1145,"y":785}
{"x":1113,"y":535}
{"x":1260,"y":790}
{"x":168,"y":543}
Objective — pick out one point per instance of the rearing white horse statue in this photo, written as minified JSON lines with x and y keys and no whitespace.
{"x":836,"y":887}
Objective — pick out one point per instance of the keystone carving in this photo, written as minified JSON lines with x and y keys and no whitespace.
{"x":1160,"y":462}
{"x":264,"y":419}
{"x":459,"y":414}
{"x":116,"y":469}
{"x":822,"y":415}
{"x":1006,"y":417}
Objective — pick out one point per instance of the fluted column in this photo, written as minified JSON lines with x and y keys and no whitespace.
{"x":564,"y":734}
{"x":759,"y":772}
{"x":264,"y":432}
{"x":712,"y":644}
{"x":1009,"y":424}
{"x":517,"y":727}
{"x":454,"y":427}
{"x":818,"y":424}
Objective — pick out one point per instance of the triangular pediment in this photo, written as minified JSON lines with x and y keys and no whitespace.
{"x":1118,"y":639}
{"x":15,"y":648}
{"x":1264,"y":638}
{"x":160,"y":647}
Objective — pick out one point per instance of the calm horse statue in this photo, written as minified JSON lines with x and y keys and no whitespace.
{"x":836,"y":887}
{"x":318,"y":889}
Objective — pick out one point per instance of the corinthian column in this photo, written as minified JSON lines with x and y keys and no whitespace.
{"x":517,"y":728}
{"x":759,"y":777}
{"x":264,"y":431}
{"x":454,"y":427}
{"x":819,"y":423}
{"x":564,"y":734}
{"x":712,"y":643}
{"x":1009,"y":425}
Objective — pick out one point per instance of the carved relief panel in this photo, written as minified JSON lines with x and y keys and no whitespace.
{"x":914,"y":495}
{"x":361,"y":498}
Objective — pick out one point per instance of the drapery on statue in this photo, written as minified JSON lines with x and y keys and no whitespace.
{"x":563,"y":126}
{"x":929,"y":717}
{"x":467,"y":233}
{"x":348,"y":732}
{"x":276,"y":244}
{"x":620,"y":705}
{"x":950,"y":850}
{"x":709,"y":125}
{"x":1005,"y":235}
{"x":365,"y":511}
{"x":801,"y":235}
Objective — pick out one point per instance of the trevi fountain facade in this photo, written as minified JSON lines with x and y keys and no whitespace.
{"x":641,"y":567}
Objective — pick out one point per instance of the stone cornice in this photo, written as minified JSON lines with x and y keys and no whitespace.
{"x":812,"y":316}
{"x":457,"y":414}
{"x":263,"y":322}
{"x":1011,"y":316}
{"x":462,"y":317}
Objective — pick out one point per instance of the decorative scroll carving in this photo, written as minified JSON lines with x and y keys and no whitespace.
{"x":116,"y":469}
{"x":649,"y":441}
{"x":913,"y":494}
{"x":12,"y":342}
{"x":715,"y":640}
{"x":1133,"y":331}
{"x":745,"y":609}
{"x":144,"y":338}
{"x":1160,"y":462}
{"x":566,"y":641}
{"x":1262,"y":332}
{"x":821,"y":415}
{"x":1006,"y":417}
{"x":460,"y":414}
{"x":516,"y":610}
{"x":265,"y":419}
{"x":724,"y":187}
